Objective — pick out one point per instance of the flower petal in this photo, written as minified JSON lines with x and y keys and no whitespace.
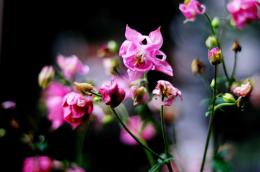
{"x":133,"y":35}
{"x":156,"y":38}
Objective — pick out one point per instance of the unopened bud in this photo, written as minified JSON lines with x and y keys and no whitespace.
{"x":197,"y":66}
{"x":139,"y":94}
{"x":236,"y":46}
{"x":228,"y":98}
{"x":215,"y":56}
{"x":109,"y":49}
{"x":212,"y":84}
{"x":215,"y":22}
{"x":46,"y":76}
{"x":83,"y":87}
{"x":211,"y":42}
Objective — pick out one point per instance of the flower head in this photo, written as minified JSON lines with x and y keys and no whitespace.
{"x":76,"y":108}
{"x":215,"y":56}
{"x":139,"y":94}
{"x":191,"y":9}
{"x":243,"y":12}
{"x":197,"y":66}
{"x":112,"y":94}
{"x":242,"y":90}
{"x":46,"y":76}
{"x":166,"y":92}
{"x":71,"y":66}
{"x":144,"y":131}
{"x":142,"y":53}
{"x":37,"y":164}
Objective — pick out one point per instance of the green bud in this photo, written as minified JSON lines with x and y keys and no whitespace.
{"x":211,"y":42}
{"x":229,"y":98}
{"x":212,"y":84}
{"x":112,"y":46}
{"x":215,"y":22}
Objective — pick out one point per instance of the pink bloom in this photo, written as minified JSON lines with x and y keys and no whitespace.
{"x":71,"y":66}
{"x":215,"y":55}
{"x":46,"y":76}
{"x":144,"y":131}
{"x":76,"y":108}
{"x":75,"y":169}
{"x":141,"y":53}
{"x":53,"y":97}
{"x":139,"y":94}
{"x":37,"y":164}
{"x":242,"y":90}
{"x":8,"y":105}
{"x":243,"y":12}
{"x":191,"y":9}
{"x":165,"y":90}
{"x":112,"y":94}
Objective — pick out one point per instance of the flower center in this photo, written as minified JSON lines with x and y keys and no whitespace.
{"x":139,"y":58}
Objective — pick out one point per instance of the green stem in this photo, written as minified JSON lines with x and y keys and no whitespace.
{"x":134,"y":137}
{"x":219,"y":46}
{"x":210,"y":121}
{"x":223,"y":104}
{"x":234,"y":66}
{"x":165,"y":140}
{"x":149,"y":155}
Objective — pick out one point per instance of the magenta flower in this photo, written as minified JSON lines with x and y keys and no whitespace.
{"x":191,"y":9}
{"x":165,"y":90}
{"x":76,"y":108}
{"x":243,"y":12}
{"x":215,"y":56}
{"x":142,"y":53}
{"x":53,"y":98}
{"x":143,"y":131}
{"x":71,"y":66}
{"x":112,"y":94}
{"x":37,"y":164}
{"x":8,"y":105}
{"x":243,"y":90}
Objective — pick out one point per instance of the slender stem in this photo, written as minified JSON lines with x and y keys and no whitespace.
{"x":234,"y":66}
{"x":210,"y":121}
{"x":224,"y":104}
{"x":149,"y":155}
{"x":165,"y":140}
{"x":134,"y":137}
{"x":219,"y":46}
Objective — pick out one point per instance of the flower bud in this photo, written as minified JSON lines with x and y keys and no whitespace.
{"x":212,"y":84}
{"x":242,"y":90}
{"x":46,"y":76}
{"x":139,"y":94}
{"x":215,"y":22}
{"x":236,"y":46}
{"x":109,"y":49}
{"x":215,"y":56}
{"x":228,"y":98}
{"x":211,"y":42}
{"x":197,"y":66}
{"x":83,"y":87}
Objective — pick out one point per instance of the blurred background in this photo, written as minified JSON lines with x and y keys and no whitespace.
{"x":32,"y":35}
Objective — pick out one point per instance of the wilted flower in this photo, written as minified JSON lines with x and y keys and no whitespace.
{"x":236,"y":47}
{"x":143,"y":131}
{"x":242,"y":90}
{"x":243,"y":12}
{"x":139,"y":94}
{"x":215,"y":56}
{"x":71,"y":66}
{"x":142,"y":53}
{"x":197,"y":66}
{"x":46,"y":76}
{"x":191,"y":8}
{"x":53,"y":98}
{"x":76,"y":108}
{"x":37,"y":164}
{"x":166,"y":92}
{"x":8,"y":105}
{"x":112,"y":94}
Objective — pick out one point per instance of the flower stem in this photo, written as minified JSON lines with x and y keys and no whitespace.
{"x":210,"y":121}
{"x":165,"y":140}
{"x":234,"y":66}
{"x":219,"y":46}
{"x":149,"y":155}
{"x":134,"y":137}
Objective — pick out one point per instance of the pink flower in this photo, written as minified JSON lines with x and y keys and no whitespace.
{"x":75,"y":169}
{"x":144,"y":131}
{"x":71,"y":66}
{"x":191,"y":9}
{"x":76,"y":108}
{"x":215,"y":56}
{"x":243,"y":12}
{"x":53,"y":97}
{"x":37,"y":164}
{"x":8,"y":105}
{"x":139,"y":94}
{"x":112,"y":94}
{"x":165,"y":90}
{"x":142,"y":53}
{"x":243,"y":90}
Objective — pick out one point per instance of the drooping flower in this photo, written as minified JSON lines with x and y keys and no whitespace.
{"x":53,"y":98}
{"x":215,"y":56}
{"x":139,"y":94}
{"x":191,"y":8}
{"x":71,"y":66}
{"x":197,"y":66}
{"x":142,"y":53}
{"x":164,"y":90}
{"x":37,"y":164}
{"x":112,"y":94}
{"x":76,"y":108}
{"x":243,"y":90}
{"x":243,"y":12}
{"x":46,"y":76}
{"x":143,"y":131}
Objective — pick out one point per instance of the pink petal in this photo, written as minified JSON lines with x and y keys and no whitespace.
{"x":156,"y":38}
{"x":133,"y":35}
{"x":148,"y":131}
{"x":163,"y":66}
{"x":142,"y":67}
